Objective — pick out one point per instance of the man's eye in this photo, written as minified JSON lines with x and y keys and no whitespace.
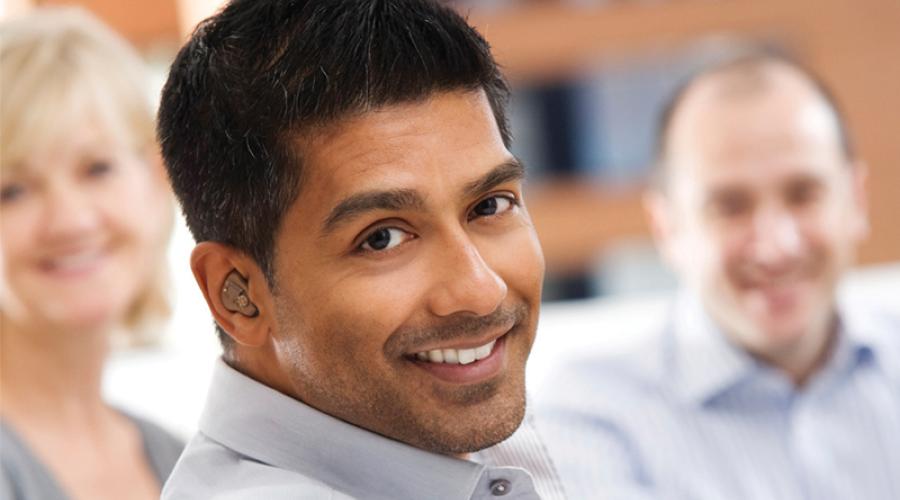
{"x":11,"y":193}
{"x":731,"y":206}
{"x":493,"y":206}
{"x":385,"y":239}
{"x":803,"y":194}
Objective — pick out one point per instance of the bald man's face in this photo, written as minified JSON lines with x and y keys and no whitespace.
{"x":763,"y":211}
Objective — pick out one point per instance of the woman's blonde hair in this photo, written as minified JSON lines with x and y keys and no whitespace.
{"x":60,"y":65}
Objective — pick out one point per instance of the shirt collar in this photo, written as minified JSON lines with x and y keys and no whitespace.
{"x":266,"y":425}
{"x":701,"y":361}
{"x":869,"y":332}
{"x":704,"y":364}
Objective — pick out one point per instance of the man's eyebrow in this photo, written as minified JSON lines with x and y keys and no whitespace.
{"x":357,"y":204}
{"x":405,"y":199}
{"x":510,"y":170}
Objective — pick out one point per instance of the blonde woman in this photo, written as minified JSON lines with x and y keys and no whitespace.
{"x":84,"y":219}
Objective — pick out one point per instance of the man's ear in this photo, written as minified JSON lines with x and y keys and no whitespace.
{"x":860,"y":176}
{"x":236,"y":292}
{"x":662,"y":225}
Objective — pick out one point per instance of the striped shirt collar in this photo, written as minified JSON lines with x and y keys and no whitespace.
{"x":703,"y":365}
{"x":265,"y":425}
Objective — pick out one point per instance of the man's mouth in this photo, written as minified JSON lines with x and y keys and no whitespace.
{"x":463,"y":365}
{"x":467,"y":351}
{"x":779,"y":295}
{"x":457,"y":356}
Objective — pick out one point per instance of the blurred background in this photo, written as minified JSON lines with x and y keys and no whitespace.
{"x":589,"y":78}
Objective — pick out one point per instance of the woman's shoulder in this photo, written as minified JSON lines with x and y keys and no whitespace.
{"x":22,"y":475}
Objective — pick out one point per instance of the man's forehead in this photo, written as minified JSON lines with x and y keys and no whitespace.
{"x":767,"y":168}
{"x":398,"y":120}
{"x":764,"y":91}
{"x":449,"y":138}
{"x":776,"y":125}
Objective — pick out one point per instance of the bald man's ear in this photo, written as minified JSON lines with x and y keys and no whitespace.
{"x":662,"y":225}
{"x":236,"y":292}
{"x":861,"y":198}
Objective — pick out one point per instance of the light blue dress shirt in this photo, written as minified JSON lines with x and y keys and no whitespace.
{"x":256,"y":443}
{"x":690,"y":416}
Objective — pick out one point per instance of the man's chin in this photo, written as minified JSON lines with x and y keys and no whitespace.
{"x":778,"y":332}
{"x":476,"y":438}
{"x":782,"y":335}
{"x":476,"y":428}
{"x":777,"y":315}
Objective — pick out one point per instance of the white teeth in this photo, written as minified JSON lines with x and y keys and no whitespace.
{"x":466,"y":356}
{"x":74,"y":262}
{"x":484,"y":351}
{"x":457,"y":356}
{"x":450,"y":356}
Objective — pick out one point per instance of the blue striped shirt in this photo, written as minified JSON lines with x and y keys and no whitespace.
{"x":690,"y":416}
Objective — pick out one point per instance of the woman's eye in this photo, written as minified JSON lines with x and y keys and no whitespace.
{"x":98,"y":168}
{"x":493,"y":206}
{"x":385,"y":239}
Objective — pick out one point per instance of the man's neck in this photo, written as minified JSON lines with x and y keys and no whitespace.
{"x":802,"y":360}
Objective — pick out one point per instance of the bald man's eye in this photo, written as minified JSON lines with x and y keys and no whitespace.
{"x":384,"y":238}
{"x":730,"y":205}
{"x":803,"y":193}
{"x":495,"y":205}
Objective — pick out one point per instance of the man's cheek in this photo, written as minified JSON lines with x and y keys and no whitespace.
{"x":520,"y":262}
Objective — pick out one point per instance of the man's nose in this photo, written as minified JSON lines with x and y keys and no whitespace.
{"x":467,"y":284}
{"x":777,"y":236}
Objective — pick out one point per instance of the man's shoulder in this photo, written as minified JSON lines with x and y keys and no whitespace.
{"x":876,"y":316}
{"x":208,"y":469}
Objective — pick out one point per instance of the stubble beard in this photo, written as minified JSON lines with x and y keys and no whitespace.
{"x":429,"y":415}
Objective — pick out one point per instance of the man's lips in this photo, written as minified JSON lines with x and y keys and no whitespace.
{"x":780,"y":296}
{"x":466,"y":350}
{"x":462,"y":350}
{"x":462,"y":356}
{"x":467,"y":367}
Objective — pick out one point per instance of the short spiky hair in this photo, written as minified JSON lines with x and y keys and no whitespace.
{"x":261,"y":72}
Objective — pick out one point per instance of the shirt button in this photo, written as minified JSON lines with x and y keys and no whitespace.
{"x":500,"y":487}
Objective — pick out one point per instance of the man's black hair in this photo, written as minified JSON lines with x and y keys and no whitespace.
{"x":751,"y":61}
{"x":259,"y":74}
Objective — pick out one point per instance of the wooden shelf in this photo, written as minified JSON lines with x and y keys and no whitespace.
{"x":548,"y":40}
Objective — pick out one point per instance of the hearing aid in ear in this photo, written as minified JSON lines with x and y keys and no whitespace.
{"x":234,"y":295}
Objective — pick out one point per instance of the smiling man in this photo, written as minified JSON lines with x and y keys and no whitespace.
{"x":363,"y":247}
{"x":762,"y":382}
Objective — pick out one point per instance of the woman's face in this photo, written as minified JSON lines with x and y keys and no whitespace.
{"x":81,"y":226}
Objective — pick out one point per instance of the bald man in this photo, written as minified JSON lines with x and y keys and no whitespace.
{"x":761,"y":383}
